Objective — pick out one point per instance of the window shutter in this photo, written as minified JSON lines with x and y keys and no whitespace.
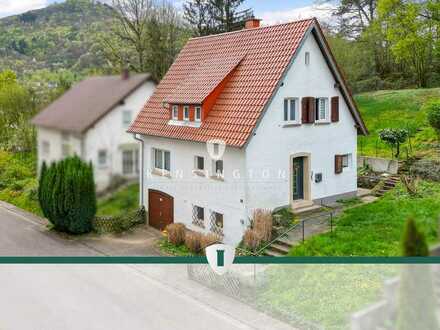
{"x":286,"y":109}
{"x":305,"y":110}
{"x":312,"y":109}
{"x":338,"y":164}
{"x":335,"y":109}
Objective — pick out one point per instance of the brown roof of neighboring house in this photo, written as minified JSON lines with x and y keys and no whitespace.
{"x":87,"y":102}
{"x":259,"y":59}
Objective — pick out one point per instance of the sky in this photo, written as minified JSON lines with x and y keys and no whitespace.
{"x":271,"y":12}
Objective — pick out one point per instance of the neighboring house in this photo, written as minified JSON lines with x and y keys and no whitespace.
{"x":91,"y":120}
{"x":277,"y":99}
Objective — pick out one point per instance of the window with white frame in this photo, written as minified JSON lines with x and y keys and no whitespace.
{"x":186,"y":112}
{"x":198,"y":113}
{"x":102,"y":157}
{"x":307,"y":58}
{"x":291,"y":110}
{"x":346,"y":161}
{"x":45,"y":147}
{"x":199,"y":163}
{"x":161,"y":159}
{"x":218,"y":167}
{"x":322,"y":109}
{"x":216,"y":223}
{"x":126,"y":118}
{"x":175,"y":112}
{"x":198,"y":216}
{"x":130,"y":162}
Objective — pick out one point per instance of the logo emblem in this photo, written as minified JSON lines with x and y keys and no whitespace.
{"x":216,"y":148}
{"x":220,"y":257}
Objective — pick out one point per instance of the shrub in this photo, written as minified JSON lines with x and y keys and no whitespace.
{"x":251,"y":239}
{"x":414,"y":242}
{"x":176,"y":233}
{"x":193,"y":241}
{"x":262,"y":223}
{"x":433,"y":110}
{"x":394,"y":137}
{"x":207,"y":240}
{"x":67,"y":195}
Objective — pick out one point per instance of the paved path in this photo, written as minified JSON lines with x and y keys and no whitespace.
{"x":104,"y":296}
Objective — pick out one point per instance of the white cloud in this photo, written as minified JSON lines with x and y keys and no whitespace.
{"x":321,"y":12}
{"x":12,"y":7}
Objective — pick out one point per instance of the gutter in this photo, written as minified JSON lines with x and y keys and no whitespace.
{"x":141,"y":171}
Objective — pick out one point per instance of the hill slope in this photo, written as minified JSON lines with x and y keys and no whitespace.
{"x":397,"y":109}
{"x":59,"y":36}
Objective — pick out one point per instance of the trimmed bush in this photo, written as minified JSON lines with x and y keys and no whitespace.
{"x":262,"y":223}
{"x":414,"y":242}
{"x":67,"y":195}
{"x":176,"y":233}
{"x":193,"y":241}
{"x":251,"y":239}
{"x":208,"y":239}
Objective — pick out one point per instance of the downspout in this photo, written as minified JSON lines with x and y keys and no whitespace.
{"x":141,"y":171}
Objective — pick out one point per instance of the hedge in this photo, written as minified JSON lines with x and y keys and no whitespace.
{"x":118,"y":224}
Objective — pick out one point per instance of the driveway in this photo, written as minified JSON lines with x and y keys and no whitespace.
{"x":104,"y":296}
{"x":24,"y":234}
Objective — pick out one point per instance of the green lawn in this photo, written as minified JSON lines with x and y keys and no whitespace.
{"x":18,"y":184}
{"x":398,"y":109}
{"x":125,"y":200}
{"x":376,"y":229}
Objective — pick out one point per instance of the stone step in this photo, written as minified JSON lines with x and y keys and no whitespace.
{"x":271,"y":253}
{"x":279,"y":248}
{"x":284,"y":241}
{"x":307,"y":209}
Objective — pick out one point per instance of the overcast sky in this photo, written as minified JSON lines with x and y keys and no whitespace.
{"x":270,"y":11}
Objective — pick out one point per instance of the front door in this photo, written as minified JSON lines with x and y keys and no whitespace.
{"x":160,"y":209}
{"x":298,"y":178}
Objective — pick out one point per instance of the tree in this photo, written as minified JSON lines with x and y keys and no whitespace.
{"x":215,"y":16}
{"x":67,"y":195}
{"x":414,"y":242}
{"x":433,"y":110}
{"x":412,"y":33}
{"x":394,"y":137}
{"x":354,"y":16}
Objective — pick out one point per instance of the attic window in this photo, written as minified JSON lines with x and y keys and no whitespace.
{"x":307,"y":58}
{"x":186,"y":112}
{"x":198,"y":114}
{"x":175,"y":113}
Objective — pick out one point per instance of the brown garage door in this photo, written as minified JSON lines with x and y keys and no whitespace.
{"x":160,"y":209}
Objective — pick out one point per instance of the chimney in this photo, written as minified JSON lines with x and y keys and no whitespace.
{"x":125,"y":74}
{"x":252,"y":23}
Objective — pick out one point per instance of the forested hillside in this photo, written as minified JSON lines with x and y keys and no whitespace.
{"x":61,"y":36}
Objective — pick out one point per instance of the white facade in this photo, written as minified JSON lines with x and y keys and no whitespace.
{"x":260,"y":174}
{"x":107,"y":136}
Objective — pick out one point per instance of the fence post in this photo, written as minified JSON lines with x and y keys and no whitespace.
{"x":303,"y":229}
{"x":331,"y":223}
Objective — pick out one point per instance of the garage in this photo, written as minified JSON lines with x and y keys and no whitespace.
{"x":160,"y":209}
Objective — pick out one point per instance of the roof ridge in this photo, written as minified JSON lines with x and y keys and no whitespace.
{"x":254,"y":29}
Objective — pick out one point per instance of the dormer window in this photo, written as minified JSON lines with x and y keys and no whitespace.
{"x":186,"y":112}
{"x":175,"y":112}
{"x":198,"y":113}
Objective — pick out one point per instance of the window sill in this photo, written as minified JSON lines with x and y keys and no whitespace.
{"x":217,"y":178}
{"x":199,"y":173}
{"x":290,"y":124}
{"x":160,"y":172}
{"x":322,"y":122}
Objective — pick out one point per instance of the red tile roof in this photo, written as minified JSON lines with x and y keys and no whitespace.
{"x":204,"y":62}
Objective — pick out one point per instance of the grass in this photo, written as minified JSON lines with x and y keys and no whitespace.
{"x":123,"y":201}
{"x":324,"y":295}
{"x":397,"y":109}
{"x":18,"y":183}
{"x":376,"y":229}
{"x":171,"y":249}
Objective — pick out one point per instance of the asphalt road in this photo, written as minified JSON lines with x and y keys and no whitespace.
{"x":40,"y":297}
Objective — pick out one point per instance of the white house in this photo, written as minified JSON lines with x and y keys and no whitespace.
{"x":274,"y":99}
{"x":91,"y":120}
